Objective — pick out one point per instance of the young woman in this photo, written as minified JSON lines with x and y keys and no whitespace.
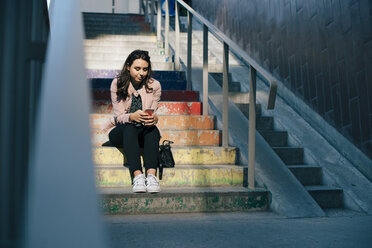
{"x":135,"y":96}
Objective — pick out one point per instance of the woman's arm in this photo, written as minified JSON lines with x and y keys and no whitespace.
{"x":156,"y":86}
{"x":120,"y":113}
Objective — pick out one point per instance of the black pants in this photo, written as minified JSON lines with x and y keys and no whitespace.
{"x":131,"y":139}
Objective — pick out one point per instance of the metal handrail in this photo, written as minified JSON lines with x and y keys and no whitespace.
{"x":227,"y":44}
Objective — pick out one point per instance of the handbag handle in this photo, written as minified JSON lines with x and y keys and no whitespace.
{"x":168,"y":142}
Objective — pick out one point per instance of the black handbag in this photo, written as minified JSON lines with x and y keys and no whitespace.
{"x":165,"y":157}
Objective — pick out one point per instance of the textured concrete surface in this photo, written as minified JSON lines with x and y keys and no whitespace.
{"x":121,"y":201}
{"x":164,"y":108}
{"x":239,"y":230}
{"x":181,"y":175}
{"x":179,"y":137}
{"x":179,"y":122}
{"x":337,"y":170}
{"x":182,"y":155}
{"x":288,"y":195}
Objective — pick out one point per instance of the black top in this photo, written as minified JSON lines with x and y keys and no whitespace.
{"x":136,"y":105}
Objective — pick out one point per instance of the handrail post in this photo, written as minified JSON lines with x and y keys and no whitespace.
{"x":158,"y":24}
{"x":177,"y":52}
{"x":140,"y":6}
{"x":252,"y":127}
{"x":205,"y":70}
{"x":166,"y":27}
{"x":147,"y":11}
{"x":189,"y":49}
{"x":152,"y":15}
{"x":225,"y":90}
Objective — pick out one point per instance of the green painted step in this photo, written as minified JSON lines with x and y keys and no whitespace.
{"x":180,"y":176}
{"x":115,"y":201}
{"x":182,"y":155}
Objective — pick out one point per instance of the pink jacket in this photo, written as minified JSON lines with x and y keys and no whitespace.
{"x":122,"y":107}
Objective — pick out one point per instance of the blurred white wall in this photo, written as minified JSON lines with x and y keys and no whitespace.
{"x":106,"y":6}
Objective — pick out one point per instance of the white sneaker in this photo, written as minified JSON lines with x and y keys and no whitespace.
{"x":139,"y":185}
{"x":152,"y":184}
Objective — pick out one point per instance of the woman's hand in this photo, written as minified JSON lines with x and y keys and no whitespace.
{"x":144,"y":118}
{"x":138,"y":116}
{"x":151,"y":120}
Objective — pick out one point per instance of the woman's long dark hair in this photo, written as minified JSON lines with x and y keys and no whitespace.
{"x":124,"y":76}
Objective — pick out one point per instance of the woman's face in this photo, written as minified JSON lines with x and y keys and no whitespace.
{"x":138,"y":70}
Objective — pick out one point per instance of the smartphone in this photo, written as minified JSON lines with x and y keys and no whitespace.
{"x":149,"y":111}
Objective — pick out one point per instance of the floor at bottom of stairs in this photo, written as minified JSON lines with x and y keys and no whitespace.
{"x":237,"y":229}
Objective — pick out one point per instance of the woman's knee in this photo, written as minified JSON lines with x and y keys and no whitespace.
{"x":153,"y":133}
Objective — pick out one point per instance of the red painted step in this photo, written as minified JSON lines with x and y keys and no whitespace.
{"x":166,"y":95}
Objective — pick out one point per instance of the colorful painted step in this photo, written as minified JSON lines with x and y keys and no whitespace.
{"x":170,"y":122}
{"x":179,"y":137}
{"x":118,"y":17}
{"x":183,"y":200}
{"x":182,"y":155}
{"x":164,"y":108}
{"x":170,"y":84}
{"x":180,"y":176}
{"x":166,"y":95}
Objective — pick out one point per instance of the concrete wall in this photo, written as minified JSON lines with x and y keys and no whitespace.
{"x":320,"y":50}
{"x":106,"y":6}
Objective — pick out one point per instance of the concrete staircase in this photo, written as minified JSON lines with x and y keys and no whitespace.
{"x":109,"y":38}
{"x":310,"y":176}
{"x":206,"y":177}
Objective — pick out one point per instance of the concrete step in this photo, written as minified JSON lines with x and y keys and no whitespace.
{"x":118,"y":64}
{"x":244,"y":108}
{"x":179,"y":176}
{"x":125,"y":45}
{"x":182,"y":155}
{"x":233,"y":86}
{"x":124,"y":21}
{"x":290,"y":155}
{"x":307,"y":174}
{"x":96,"y":34}
{"x":114,"y":201}
{"x":265,"y":123}
{"x":171,"y":122}
{"x":326,"y":197}
{"x":211,"y":67}
{"x":117,"y":28}
{"x":110,"y":56}
{"x":124,"y":51}
{"x":88,"y":24}
{"x":109,"y":16}
{"x":219,"y":76}
{"x":164,"y":108}
{"x":166,"y":95}
{"x":179,"y":137}
{"x":275,"y":138}
{"x":239,"y":97}
{"x":132,"y":38}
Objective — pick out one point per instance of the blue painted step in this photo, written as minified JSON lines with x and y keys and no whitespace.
{"x":104,"y":83}
{"x":170,"y":80}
